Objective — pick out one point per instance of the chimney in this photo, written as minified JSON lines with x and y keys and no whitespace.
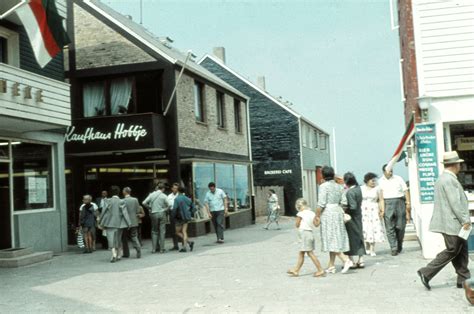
{"x":261,"y":82}
{"x":219,"y":52}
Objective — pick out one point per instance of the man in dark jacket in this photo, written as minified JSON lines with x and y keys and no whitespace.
{"x":182,"y":214}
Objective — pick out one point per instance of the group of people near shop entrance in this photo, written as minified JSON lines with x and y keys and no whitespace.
{"x":352,"y":218}
{"x":119,"y":218}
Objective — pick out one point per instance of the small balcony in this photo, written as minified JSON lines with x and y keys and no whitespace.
{"x":103,"y":135}
{"x":31,"y":102}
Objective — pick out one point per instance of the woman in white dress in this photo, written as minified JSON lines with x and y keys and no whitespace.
{"x":273,"y":209}
{"x":372,"y":213}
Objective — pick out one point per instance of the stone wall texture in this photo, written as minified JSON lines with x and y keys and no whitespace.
{"x":208,"y":136}
{"x":97,"y":45}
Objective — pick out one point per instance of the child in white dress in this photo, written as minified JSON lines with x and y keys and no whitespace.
{"x":306,"y":221}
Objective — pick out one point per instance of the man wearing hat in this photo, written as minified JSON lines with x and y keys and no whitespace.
{"x":450,"y":215}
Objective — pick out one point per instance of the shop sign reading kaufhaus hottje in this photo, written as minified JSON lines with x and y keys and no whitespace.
{"x":115,"y":134}
{"x":427,"y":156}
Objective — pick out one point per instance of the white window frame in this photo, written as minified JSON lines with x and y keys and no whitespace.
{"x":13,"y":46}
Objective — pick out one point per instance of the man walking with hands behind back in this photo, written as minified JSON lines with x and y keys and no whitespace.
{"x":450,"y":215}
{"x":217,"y":208}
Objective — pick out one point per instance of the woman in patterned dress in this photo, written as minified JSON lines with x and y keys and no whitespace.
{"x":331,"y":217}
{"x":273,"y":209}
{"x":372,"y":213}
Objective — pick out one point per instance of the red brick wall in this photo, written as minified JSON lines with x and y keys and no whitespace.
{"x":408,"y":54}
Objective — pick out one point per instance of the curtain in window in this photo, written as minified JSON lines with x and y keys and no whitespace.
{"x":94,"y":99}
{"x":120,"y":94}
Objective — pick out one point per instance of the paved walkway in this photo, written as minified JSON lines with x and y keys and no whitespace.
{"x":247,"y":274}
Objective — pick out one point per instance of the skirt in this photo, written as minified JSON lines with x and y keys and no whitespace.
{"x":306,"y":240}
{"x":333,"y":230}
{"x":371,"y":223}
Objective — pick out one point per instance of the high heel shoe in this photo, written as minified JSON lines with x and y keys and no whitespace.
{"x":331,"y":270}
{"x":347,"y":265}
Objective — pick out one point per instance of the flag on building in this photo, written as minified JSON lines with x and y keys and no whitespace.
{"x":400,"y":153}
{"x":45,"y":29}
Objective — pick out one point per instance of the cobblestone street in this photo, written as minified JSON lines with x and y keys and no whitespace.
{"x":247,"y":274}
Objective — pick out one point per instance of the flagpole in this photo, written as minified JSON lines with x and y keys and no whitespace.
{"x":334,"y":149}
{"x":4,"y":15}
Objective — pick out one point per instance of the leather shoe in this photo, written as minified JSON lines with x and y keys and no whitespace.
{"x":459,"y":285}
{"x":394,"y":253}
{"x":424,"y":280}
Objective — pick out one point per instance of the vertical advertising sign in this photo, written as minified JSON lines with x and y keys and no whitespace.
{"x":427,"y":157}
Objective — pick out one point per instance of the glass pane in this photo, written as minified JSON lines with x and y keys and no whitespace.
{"x":5,"y":230}
{"x":225,"y":181}
{"x":32,"y":176}
{"x":203,"y":174}
{"x":4,"y":151}
{"x":94,"y":99}
{"x":242,"y":186}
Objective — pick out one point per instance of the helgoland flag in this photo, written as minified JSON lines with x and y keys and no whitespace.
{"x":45,"y":29}
{"x":400,"y":153}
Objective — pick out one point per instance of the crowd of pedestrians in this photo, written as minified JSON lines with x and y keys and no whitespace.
{"x":352,"y":219}
{"x":119,"y":216}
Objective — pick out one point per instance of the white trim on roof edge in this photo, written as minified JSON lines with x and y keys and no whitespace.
{"x":261,"y":91}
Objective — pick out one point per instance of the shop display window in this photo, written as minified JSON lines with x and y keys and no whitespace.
{"x":225,"y":181}
{"x":242,"y":186}
{"x":32,"y":176}
{"x":4,"y":149}
{"x":462,"y":140}
{"x":203,"y":174}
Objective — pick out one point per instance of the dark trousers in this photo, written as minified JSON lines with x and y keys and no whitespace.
{"x":173,"y":232}
{"x":130,"y":235}
{"x":456,"y":253}
{"x":395,"y":222}
{"x":218,"y":223}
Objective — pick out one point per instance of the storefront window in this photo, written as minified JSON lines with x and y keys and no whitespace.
{"x":32,"y":176}
{"x":203,"y":174}
{"x":4,"y":150}
{"x":225,"y":181}
{"x":242,"y":186}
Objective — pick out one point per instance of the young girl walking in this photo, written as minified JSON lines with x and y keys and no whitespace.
{"x":306,"y":222}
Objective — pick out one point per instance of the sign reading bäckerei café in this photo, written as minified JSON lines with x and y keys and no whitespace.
{"x":427,"y":157}
{"x":115,"y":133}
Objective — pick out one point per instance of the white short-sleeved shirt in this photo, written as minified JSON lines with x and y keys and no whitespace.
{"x":307,"y":217}
{"x":215,"y":200}
{"x":395,"y":187}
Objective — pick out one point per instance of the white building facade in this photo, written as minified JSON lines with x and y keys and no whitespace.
{"x":444,"y":47}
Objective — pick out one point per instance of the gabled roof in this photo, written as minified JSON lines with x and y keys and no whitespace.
{"x":260,"y":90}
{"x":148,"y":39}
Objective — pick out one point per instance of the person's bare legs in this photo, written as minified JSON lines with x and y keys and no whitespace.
{"x":316,"y":263}
{"x":332,"y":259}
{"x":343,"y":257}
{"x":295,"y":271}
{"x":179,"y":233}
{"x":184,"y":232}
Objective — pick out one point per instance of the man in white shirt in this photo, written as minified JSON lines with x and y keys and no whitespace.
{"x":397,"y":202}
{"x":217,"y":208}
{"x":157,"y":204}
{"x":171,"y":197}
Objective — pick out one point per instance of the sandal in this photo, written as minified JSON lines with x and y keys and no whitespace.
{"x":320,"y":274}
{"x":331,"y":270}
{"x":360,"y":265}
{"x":292,"y":273}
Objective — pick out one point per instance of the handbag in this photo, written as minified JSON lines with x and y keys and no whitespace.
{"x":347,"y":218}
{"x":80,"y":239}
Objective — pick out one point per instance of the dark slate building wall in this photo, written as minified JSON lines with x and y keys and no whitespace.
{"x":275,"y":138}
{"x":54,"y":69}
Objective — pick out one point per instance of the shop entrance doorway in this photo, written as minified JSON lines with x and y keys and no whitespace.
{"x":5,"y":209}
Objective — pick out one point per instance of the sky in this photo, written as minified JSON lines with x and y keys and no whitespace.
{"x":337,"y":61}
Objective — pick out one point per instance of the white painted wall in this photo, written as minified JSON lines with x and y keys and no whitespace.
{"x":444,"y":42}
{"x":54,"y":108}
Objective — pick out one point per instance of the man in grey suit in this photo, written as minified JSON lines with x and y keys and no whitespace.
{"x":132,"y":232}
{"x":114,"y":218}
{"x":450,"y":215}
{"x":157,"y":203}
